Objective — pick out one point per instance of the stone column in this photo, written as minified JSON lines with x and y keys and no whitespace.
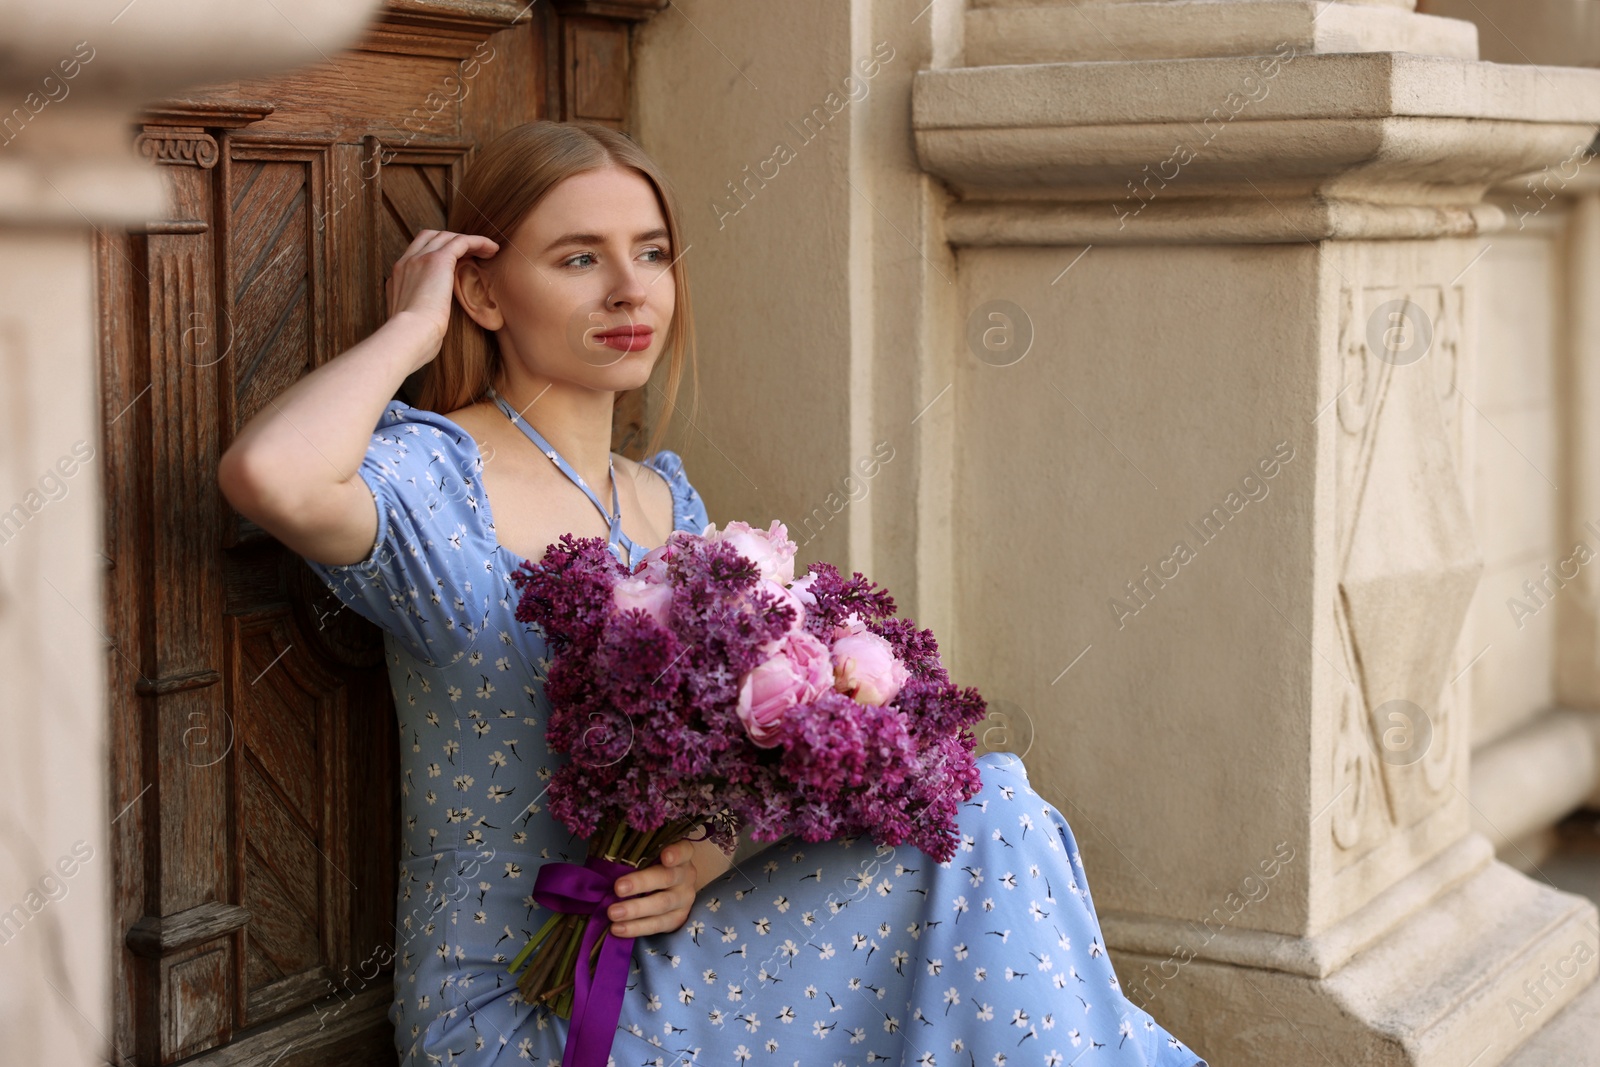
{"x":1215,"y":417}
{"x":71,"y":79}
{"x":1536,"y":692}
{"x":1578,"y":654}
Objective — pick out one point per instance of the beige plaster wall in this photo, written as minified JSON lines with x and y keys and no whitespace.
{"x":768,"y":259}
{"x":1516,"y":476}
{"x":1563,"y":32}
{"x":823,"y":403}
{"x":1114,"y":432}
{"x":55,"y":874}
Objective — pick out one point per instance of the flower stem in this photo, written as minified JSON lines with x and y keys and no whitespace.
{"x":569,"y":952}
{"x":534,"y":941}
{"x":616,"y":839}
{"x":629,"y":851}
{"x":550,"y":956}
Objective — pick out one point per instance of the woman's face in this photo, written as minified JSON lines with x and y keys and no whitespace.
{"x":583,"y":292}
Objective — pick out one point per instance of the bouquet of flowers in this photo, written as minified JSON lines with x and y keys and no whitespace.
{"x":710,"y":692}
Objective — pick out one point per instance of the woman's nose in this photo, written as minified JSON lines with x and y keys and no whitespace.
{"x":627,"y":287}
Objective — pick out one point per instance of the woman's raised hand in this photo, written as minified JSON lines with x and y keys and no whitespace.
{"x":293,"y":469}
{"x":423,"y":279}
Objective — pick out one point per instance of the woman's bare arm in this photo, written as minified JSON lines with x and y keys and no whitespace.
{"x":293,"y":468}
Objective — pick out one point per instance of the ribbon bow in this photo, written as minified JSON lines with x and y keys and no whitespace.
{"x":597,"y":998}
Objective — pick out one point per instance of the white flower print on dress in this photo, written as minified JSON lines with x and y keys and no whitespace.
{"x":467,"y":679}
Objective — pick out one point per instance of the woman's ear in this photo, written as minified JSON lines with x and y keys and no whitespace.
{"x":475,"y":295}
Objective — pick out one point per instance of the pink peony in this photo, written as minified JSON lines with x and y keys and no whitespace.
{"x":801,"y":588}
{"x":865,"y":667}
{"x":797,"y":673}
{"x":637,"y":591}
{"x":653,"y":567}
{"x":770,"y":550}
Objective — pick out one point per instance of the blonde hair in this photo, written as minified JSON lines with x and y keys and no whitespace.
{"x":507,"y":179}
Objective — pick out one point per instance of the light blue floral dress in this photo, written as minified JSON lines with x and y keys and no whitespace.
{"x":835,"y":953}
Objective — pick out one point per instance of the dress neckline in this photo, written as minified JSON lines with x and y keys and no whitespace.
{"x":628,"y":551}
{"x":486,"y":509}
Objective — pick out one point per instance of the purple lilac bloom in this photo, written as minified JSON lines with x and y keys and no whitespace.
{"x":646,"y":714}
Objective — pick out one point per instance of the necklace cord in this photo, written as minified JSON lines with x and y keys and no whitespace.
{"x":618,"y":541}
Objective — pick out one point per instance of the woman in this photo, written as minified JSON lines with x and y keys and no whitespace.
{"x":559,"y":283}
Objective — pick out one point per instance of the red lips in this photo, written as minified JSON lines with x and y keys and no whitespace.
{"x":626,"y":338}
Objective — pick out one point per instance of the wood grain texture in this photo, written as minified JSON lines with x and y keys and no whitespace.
{"x":154,"y":938}
{"x":269,"y":280}
{"x":124,"y":373}
{"x":350,"y":1031}
{"x":595,"y":48}
{"x":198,"y":1018}
{"x":254,"y":744}
{"x":189,"y":816}
{"x":622,"y":10}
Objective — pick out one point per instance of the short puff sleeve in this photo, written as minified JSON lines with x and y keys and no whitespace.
{"x":688,"y":510}
{"x":429,"y":577}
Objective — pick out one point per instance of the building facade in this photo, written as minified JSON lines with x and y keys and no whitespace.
{"x":1226,"y":374}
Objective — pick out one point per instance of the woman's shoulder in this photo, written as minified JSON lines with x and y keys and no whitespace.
{"x":428,"y":457}
{"x":417,"y":437}
{"x":403,"y":422}
{"x":688,"y":510}
{"x":430,"y":578}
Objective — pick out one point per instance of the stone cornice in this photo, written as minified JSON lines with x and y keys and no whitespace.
{"x":1211,"y":220}
{"x":1242,"y":148}
{"x":68,"y":158}
{"x":1338,"y":86}
{"x":1158,"y":29}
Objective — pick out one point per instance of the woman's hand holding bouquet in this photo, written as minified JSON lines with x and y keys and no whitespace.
{"x":710,"y":692}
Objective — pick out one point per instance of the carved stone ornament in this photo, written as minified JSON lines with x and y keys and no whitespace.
{"x":1410,"y":562}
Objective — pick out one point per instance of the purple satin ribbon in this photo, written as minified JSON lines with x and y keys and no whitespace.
{"x":596,"y":999}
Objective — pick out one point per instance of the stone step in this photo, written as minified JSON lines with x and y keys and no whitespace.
{"x":1571,"y":1039}
{"x":1467,"y":981}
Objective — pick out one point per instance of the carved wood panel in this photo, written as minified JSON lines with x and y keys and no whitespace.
{"x":254,"y":747}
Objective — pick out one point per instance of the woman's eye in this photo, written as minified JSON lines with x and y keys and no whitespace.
{"x":660,"y":254}
{"x":581,"y":255}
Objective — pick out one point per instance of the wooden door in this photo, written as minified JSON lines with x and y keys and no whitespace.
{"x":253,"y":757}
